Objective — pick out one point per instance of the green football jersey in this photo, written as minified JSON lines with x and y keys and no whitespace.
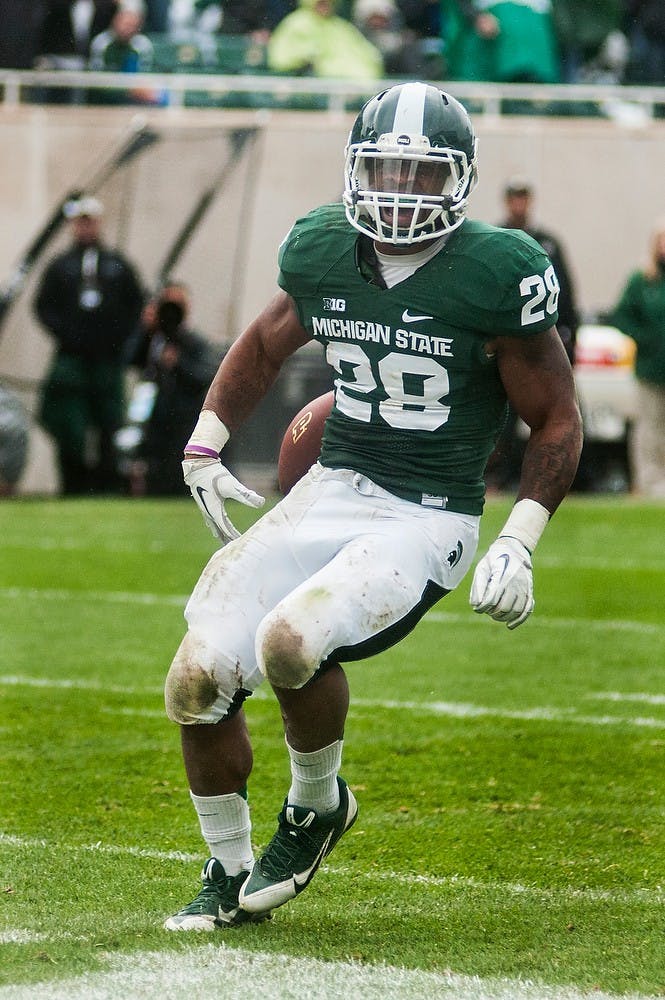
{"x":418,"y":404}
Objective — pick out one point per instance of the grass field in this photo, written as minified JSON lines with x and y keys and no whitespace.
{"x":510,"y":841}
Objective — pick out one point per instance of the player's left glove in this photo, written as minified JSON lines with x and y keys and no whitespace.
{"x":503,"y":582}
{"x":211,"y":485}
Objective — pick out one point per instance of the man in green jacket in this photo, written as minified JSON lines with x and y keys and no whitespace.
{"x":500,"y":40}
{"x":640,"y":313}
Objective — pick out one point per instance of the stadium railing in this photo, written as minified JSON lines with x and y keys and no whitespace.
{"x":260,"y":89}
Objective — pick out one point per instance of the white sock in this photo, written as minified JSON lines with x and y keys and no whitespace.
{"x":226,"y":829}
{"x":314,"y":778}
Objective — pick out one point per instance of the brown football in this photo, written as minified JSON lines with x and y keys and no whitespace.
{"x":301,"y":443}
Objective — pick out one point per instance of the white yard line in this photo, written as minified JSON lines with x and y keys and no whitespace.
{"x":91,"y":596}
{"x":82,"y":545}
{"x":21,"y":937}
{"x":463,"y":710}
{"x":434,"y":617}
{"x":455,"y":710}
{"x":66,"y":683}
{"x":594,"y":624}
{"x":548,"y":561}
{"x":218,"y":970}
{"x":546,"y":894}
{"x":450,"y":709}
{"x":637,"y":696}
{"x":599,"y":563}
{"x":33,"y":843}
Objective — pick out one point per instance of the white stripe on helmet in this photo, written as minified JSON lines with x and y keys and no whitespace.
{"x":410,"y":111}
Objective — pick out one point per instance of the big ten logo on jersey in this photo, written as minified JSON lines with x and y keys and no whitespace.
{"x":334,"y":305}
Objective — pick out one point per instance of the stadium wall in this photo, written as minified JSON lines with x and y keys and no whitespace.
{"x":598,"y":185}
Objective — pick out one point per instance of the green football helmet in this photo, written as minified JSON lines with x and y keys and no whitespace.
{"x":410,"y":165}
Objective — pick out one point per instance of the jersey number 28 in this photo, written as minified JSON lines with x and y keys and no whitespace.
{"x":414,"y":387}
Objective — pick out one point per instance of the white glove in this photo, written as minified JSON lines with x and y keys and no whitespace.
{"x":211,"y":485}
{"x":503,"y":583}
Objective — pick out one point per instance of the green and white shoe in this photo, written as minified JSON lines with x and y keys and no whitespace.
{"x":292,"y":857}
{"x":216,"y":904}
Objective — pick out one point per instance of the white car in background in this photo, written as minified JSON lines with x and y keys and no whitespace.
{"x":604,"y":373}
{"x":605,"y":379}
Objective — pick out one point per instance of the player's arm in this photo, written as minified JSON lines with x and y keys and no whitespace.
{"x":538,"y":380}
{"x":243,"y":378}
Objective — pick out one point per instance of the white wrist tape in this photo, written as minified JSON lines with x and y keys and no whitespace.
{"x":209,"y":436}
{"x":526,"y":523}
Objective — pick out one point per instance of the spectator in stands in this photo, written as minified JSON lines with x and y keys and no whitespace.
{"x":89,"y":301}
{"x":380,"y":21}
{"x":646,"y":34}
{"x":157,"y":16}
{"x":640,"y":313}
{"x":590,"y":38}
{"x":422,"y":22}
{"x":422,"y":16}
{"x":179,"y":364}
{"x":202,"y":17}
{"x":123,"y":48}
{"x":504,"y":465}
{"x":65,"y":37}
{"x":278,"y":9}
{"x":14,"y":434}
{"x":312,"y":40}
{"x":19,"y":37}
{"x":518,"y":200}
{"x":506,"y":41}
{"x":255,"y":18}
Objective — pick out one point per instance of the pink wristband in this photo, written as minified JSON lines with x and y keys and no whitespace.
{"x":199,"y":449}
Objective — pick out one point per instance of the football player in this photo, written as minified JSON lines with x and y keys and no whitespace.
{"x":431,"y":322}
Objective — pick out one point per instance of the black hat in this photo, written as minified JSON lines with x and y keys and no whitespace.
{"x":518,"y":185}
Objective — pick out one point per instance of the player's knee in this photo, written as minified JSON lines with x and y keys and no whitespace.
{"x":282,"y":653}
{"x":190,"y":692}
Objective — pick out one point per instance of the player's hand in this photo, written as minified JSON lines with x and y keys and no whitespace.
{"x":211,"y":485}
{"x":503,"y":583}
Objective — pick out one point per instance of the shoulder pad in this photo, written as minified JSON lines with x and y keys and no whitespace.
{"x":504,"y":272}
{"x":311,"y":246}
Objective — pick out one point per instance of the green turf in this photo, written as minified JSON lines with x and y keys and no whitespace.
{"x":510,"y":784}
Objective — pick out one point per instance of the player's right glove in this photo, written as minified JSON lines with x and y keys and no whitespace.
{"x":503,"y":583}
{"x":211,"y":485}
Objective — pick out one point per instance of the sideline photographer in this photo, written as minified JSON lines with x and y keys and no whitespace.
{"x":176,"y":365}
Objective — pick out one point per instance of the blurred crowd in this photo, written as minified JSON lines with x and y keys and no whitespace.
{"x":510,"y":41}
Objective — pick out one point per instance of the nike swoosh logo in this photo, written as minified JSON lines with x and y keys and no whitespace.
{"x":302,"y":878}
{"x":408,"y":318}
{"x":506,"y":560}
{"x":200,"y":490}
{"x":291,"y":818}
{"x":207,"y":872}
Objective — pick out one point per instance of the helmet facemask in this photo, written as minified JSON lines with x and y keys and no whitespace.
{"x":402,"y":190}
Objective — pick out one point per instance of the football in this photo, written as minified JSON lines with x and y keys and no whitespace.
{"x":301,"y":443}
